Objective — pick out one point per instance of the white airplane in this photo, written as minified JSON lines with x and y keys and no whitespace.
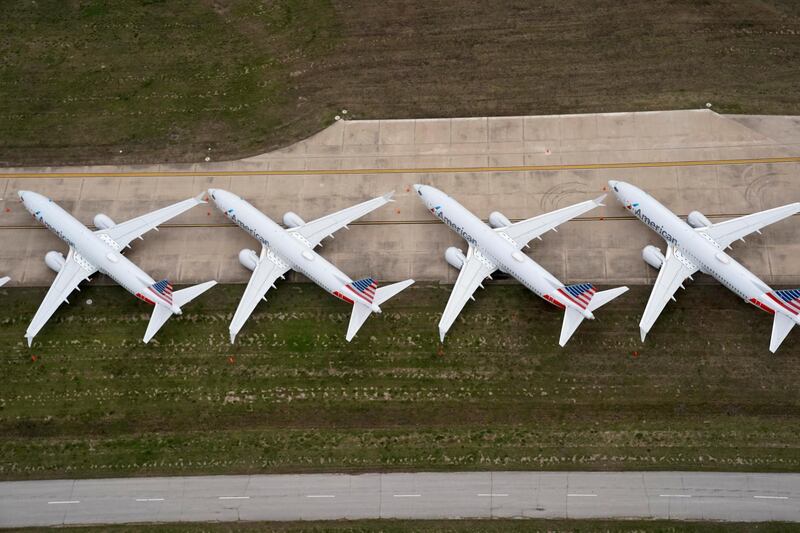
{"x":293,"y":248}
{"x":499,"y":248}
{"x":700,"y":246}
{"x":101,"y":250}
{"x":4,"y":280}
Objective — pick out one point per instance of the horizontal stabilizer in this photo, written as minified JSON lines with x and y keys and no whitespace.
{"x":603,"y":297}
{"x":188,"y":294}
{"x":360,"y":314}
{"x":781,"y":327}
{"x":384,"y":293}
{"x":161,"y":314}
{"x":572,"y":319}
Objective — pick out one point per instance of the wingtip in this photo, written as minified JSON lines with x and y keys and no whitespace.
{"x":29,"y":338}
{"x":442,"y":333}
{"x":642,"y":332}
{"x":389,"y":196}
{"x":599,"y":200}
{"x":202,"y":198}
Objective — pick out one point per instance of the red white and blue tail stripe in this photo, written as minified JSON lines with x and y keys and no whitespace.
{"x":364,"y":288}
{"x":163,"y":291}
{"x":789,"y":299}
{"x":580,"y":294}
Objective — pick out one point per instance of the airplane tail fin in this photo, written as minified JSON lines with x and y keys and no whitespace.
{"x":781,"y":327}
{"x":586,"y":296}
{"x":163,"y":291}
{"x":366,"y":287}
{"x":376,"y":296}
{"x":162,"y":312}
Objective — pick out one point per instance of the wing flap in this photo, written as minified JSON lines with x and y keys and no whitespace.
{"x":475,"y":269}
{"x":74,"y":271}
{"x":122,"y":234}
{"x":670,"y":277}
{"x":724,"y":233}
{"x":525,"y":231}
{"x":266,"y":273}
{"x":316,"y":230}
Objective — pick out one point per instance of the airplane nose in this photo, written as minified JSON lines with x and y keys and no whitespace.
{"x":612,"y":183}
{"x":417,"y":187}
{"x":212,"y":193}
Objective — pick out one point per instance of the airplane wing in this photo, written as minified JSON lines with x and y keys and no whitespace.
{"x":525,"y":231}
{"x":672,"y":274}
{"x":269,"y":268}
{"x":4,"y":280}
{"x":724,"y":233}
{"x":124,"y":232}
{"x":326,"y":226}
{"x":75,"y":270}
{"x":475,"y":269}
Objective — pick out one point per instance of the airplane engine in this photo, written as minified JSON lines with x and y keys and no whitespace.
{"x":498,"y":220}
{"x":653,"y":256}
{"x":248,"y":259}
{"x":54,"y":260}
{"x":696,"y":219}
{"x":102,"y":221}
{"x":292,"y":220}
{"x":455,"y":257}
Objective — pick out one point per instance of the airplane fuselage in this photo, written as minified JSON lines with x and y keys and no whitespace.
{"x":288,"y":247}
{"x":697,"y":248}
{"x":496,"y":247}
{"x":92,"y":250}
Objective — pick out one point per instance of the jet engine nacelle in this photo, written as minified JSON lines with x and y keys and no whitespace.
{"x":653,"y":256}
{"x":292,"y":220}
{"x":696,"y":219}
{"x":102,"y":221}
{"x":455,"y":257}
{"x":498,"y":220}
{"x":54,"y":260}
{"x":248,"y":259}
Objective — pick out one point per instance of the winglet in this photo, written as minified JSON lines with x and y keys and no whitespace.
{"x":202,"y":197}
{"x":388,"y":196}
{"x":599,"y":200}
{"x":643,"y":332}
{"x":30,"y":340}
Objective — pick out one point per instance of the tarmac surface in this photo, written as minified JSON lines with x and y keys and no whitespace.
{"x":667,"y":495}
{"x":522,"y":166}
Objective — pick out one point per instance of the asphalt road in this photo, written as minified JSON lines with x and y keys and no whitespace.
{"x":668,"y":495}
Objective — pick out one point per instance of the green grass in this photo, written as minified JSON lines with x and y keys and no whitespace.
{"x":449,"y":526}
{"x":89,"y":399}
{"x":167,"y":80}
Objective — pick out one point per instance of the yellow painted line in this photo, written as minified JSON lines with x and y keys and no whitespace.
{"x":429,"y":170}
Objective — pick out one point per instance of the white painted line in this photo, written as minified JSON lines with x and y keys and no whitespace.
{"x":675,"y":495}
{"x":63,"y":501}
{"x":149,"y":499}
{"x":492,"y":495}
{"x":578,"y":495}
{"x":320,"y":496}
{"x":772,"y":497}
{"x":407,"y":495}
{"x":234,"y":497}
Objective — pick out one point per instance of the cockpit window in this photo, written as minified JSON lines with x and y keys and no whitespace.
{"x":615,"y":188}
